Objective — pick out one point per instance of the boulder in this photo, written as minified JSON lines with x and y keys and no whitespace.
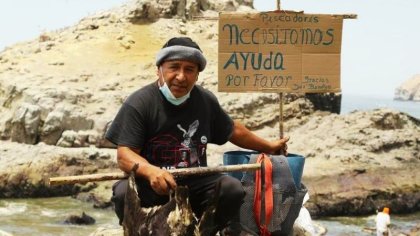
{"x":28,"y":175}
{"x":108,"y":231}
{"x":183,"y":9}
{"x":25,"y":124}
{"x":409,"y":90}
{"x":358,"y":162}
{"x":83,"y":219}
{"x":63,"y":119}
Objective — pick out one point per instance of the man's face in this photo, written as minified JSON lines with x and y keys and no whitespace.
{"x":180,"y":76}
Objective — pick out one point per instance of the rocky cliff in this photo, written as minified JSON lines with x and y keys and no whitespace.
{"x":409,"y":90}
{"x":59,"y":92}
{"x":65,"y":87}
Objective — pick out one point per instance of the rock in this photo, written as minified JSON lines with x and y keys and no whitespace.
{"x":84,"y":219}
{"x":62,"y":119}
{"x":52,"y":129}
{"x":67,"y":138}
{"x":100,"y":197}
{"x":415,"y":230}
{"x":325,"y":101}
{"x":409,"y":90}
{"x":126,"y":41}
{"x":82,"y":138}
{"x":144,"y":10}
{"x":183,"y":9}
{"x":357,"y":151}
{"x":44,"y":38}
{"x":25,"y":124}
{"x":9,"y":94}
{"x":28,"y":175}
{"x":108,"y":231}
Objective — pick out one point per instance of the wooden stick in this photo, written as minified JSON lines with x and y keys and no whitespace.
{"x":175,"y":172}
{"x":281,"y":127}
{"x":281,"y":120}
{"x":75,"y":179}
{"x":346,"y":16}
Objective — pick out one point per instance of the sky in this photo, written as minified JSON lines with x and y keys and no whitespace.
{"x":380,"y":49}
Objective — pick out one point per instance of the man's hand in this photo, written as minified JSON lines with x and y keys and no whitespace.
{"x":160,"y":180}
{"x":280,"y":146}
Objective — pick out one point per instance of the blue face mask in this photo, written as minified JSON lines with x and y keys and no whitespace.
{"x":169,"y":96}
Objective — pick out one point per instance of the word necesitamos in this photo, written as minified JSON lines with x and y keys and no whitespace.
{"x":276,"y":35}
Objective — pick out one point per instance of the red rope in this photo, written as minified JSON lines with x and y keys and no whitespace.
{"x":268,"y":194}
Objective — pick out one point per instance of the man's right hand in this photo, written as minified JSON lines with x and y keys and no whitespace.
{"x":160,"y":180}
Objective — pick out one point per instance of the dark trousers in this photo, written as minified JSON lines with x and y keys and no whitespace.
{"x":202,"y":190}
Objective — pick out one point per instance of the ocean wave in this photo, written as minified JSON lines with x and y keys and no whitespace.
{"x":10,"y":208}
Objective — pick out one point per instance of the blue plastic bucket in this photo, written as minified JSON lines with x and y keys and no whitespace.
{"x":237,"y":158}
{"x":296,"y":163}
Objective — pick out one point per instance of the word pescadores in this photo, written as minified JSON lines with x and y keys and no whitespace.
{"x":294,"y":17}
{"x":271,"y":50}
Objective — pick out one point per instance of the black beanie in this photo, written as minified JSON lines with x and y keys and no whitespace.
{"x":182,"y":48}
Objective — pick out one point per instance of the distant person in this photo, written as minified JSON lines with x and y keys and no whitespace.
{"x":383,"y":221}
{"x":168,"y":124}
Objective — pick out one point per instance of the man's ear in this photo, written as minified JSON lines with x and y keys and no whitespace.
{"x":159,"y":74}
{"x":157,"y":71}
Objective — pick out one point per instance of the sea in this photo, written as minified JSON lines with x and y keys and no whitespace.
{"x":46,"y":217}
{"x":350,"y":103}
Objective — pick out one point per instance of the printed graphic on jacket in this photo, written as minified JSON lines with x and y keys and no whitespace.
{"x":167,"y":151}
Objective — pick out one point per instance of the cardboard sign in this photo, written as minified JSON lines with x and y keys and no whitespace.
{"x":279,"y":52}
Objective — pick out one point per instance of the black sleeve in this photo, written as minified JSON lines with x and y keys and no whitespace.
{"x":127,"y":129}
{"x":222,"y":127}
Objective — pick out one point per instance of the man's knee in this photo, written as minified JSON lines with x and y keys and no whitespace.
{"x":119,"y":190}
{"x":233,"y":186}
{"x":231,"y":189}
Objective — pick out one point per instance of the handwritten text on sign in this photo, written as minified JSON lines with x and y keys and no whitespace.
{"x":279,"y":52}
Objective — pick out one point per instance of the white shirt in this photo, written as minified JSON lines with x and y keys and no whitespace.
{"x":382,"y":222}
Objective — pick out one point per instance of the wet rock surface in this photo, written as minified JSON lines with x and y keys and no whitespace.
{"x":83,"y":219}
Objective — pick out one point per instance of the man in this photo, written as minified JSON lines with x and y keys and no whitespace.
{"x":383,"y":220}
{"x":167,"y":124}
